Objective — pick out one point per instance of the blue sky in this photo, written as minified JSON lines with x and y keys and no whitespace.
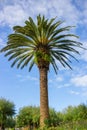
{"x":22,"y":87}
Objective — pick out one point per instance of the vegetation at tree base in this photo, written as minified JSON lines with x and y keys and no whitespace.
{"x":42,"y":43}
{"x":28,"y":117}
{"x":71,"y":118}
{"x":7,"y":110}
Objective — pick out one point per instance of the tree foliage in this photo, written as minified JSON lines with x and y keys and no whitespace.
{"x":7,"y":110}
{"x":75,"y":113}
{"x":28,"y":116}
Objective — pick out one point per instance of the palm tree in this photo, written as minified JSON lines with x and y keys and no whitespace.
{"x":41,"y":43}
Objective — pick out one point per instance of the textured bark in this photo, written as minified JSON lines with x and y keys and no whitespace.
{"x":44,"y":107}
{"x":2,"y":127}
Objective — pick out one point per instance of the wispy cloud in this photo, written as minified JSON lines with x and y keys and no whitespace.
{"x":84,"y":94}
{"x":80,"y":81}
{"x":80,"y":92}
{"x":84,"y":51}
{"x":63,"y":86}
{"x":17,"y":11}
{"x":59,"y":78}
{"x":12,"y":14}
{"x":74,"y":92}
{"x":1,"y":43}
{"x":26,"y":78}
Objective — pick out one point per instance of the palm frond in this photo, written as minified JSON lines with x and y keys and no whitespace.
{"x":53,"y":62}
{"x":60,"y":30}
{"x":25,"y":63}
{"x":52,"y":28}
{"x":31,"y":65}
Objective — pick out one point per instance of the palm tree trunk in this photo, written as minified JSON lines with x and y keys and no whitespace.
{"x":44,"y":107}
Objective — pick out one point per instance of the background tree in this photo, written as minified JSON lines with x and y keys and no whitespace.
{"x":28,"y":117}
{"x":75,"y":113}
{"x":36,"y":117}
{"x":82,"y":111}
{"x":42,"y":43}
{"x":10,"y":122}
{"x":7,"y":110}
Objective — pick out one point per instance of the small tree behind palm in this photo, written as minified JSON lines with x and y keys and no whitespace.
{"x":41,"y":43}
{"x":7,"y":110}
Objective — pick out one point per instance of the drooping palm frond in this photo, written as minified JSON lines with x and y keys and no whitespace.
{"x":41,"y":43}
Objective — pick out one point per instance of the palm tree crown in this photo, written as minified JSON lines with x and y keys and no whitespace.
{"x":41,"y":43}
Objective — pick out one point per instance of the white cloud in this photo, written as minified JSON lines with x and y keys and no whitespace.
{"x":67,"y":85}
{"x":12,"y":14}
{"x":59,"y":79}
{"x":26,"y":78}
{"x":84,"y":13}
{"x":82,"y":6}
{"x":18,"y":75}
{"x":63,"y":86}
{"x":50,"y":81}
{"x":84,"y":55}
{"x":80,"y":81}
{"x":74,"y":92}
{"x":60,"y":86}
{"x":17,"y":11}
{"x":84,"y":51}
{"x":1,"y":43}
{"x":84,"y":94}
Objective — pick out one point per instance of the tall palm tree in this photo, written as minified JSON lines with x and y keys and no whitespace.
{"x":42,"y":44}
